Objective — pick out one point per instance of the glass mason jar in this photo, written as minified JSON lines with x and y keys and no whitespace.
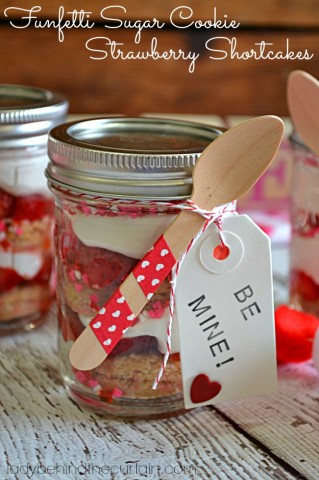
{"x":304,"y":249}
{"x":112,"y":179}
{"x":26,"y":205}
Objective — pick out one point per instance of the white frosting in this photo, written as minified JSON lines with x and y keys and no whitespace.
{"x":154,"y":327}
{"x":132,"y":237}
{"x":304,"y":256}
{"x":27,"y":265}
{"x":23,"y":178}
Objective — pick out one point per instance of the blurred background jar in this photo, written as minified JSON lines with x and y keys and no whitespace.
{"x":26,"y":206}
{"x":304,"y":249}
{"x":116,"y":182}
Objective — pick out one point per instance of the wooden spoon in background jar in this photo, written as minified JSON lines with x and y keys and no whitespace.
{"x":226,"y":169}
{"x":303,"y":103}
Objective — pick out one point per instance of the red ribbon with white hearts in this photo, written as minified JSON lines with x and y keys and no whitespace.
{"x":116,"y":316}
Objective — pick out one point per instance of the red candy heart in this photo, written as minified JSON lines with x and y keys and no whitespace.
{"x":203,"y":389}
{"x":295,"y":332}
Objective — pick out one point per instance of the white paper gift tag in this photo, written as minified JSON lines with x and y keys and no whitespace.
{"x":226,"y":316}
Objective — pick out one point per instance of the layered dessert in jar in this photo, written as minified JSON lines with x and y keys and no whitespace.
{"x":304,"y":250}
{"x":26,"y":258}
{"x":117,"y":183}
{"x":97,"y":247}
{"x":26,"y":204}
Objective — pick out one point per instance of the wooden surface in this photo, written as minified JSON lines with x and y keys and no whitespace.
{"x":244,"y":87}
{"x":273,"y":437}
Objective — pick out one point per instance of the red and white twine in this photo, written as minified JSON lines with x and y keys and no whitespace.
{"x":214,"y":216}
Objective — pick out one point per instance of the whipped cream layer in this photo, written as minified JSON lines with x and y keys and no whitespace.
{"x":132,"y":237}
{"x":303,"y":255}
{"x":153,"y":327}
{"x":27,"y":265}
{"x":23,"y":177}
{"x":305,"y":192}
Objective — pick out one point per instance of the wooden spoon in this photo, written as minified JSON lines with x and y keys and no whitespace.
{"x":227,"y":169}
{"x":303,"y":103}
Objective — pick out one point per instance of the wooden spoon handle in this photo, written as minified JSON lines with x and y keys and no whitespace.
{"x":303,"y":102}
{"x":102,"y":334}
{"x":175,"y":239}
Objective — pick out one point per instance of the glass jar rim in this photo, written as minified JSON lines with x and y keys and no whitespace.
{"x":28,"y":113}
{"x":128,"y":156}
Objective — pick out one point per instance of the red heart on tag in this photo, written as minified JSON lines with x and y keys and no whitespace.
{"x":203,"y":389}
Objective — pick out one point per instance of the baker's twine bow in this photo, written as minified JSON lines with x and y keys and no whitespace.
{"x":212,"y":216}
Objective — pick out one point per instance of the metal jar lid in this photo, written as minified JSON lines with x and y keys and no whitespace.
{"x":127,"y":157}
{"x":27,"y":114}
